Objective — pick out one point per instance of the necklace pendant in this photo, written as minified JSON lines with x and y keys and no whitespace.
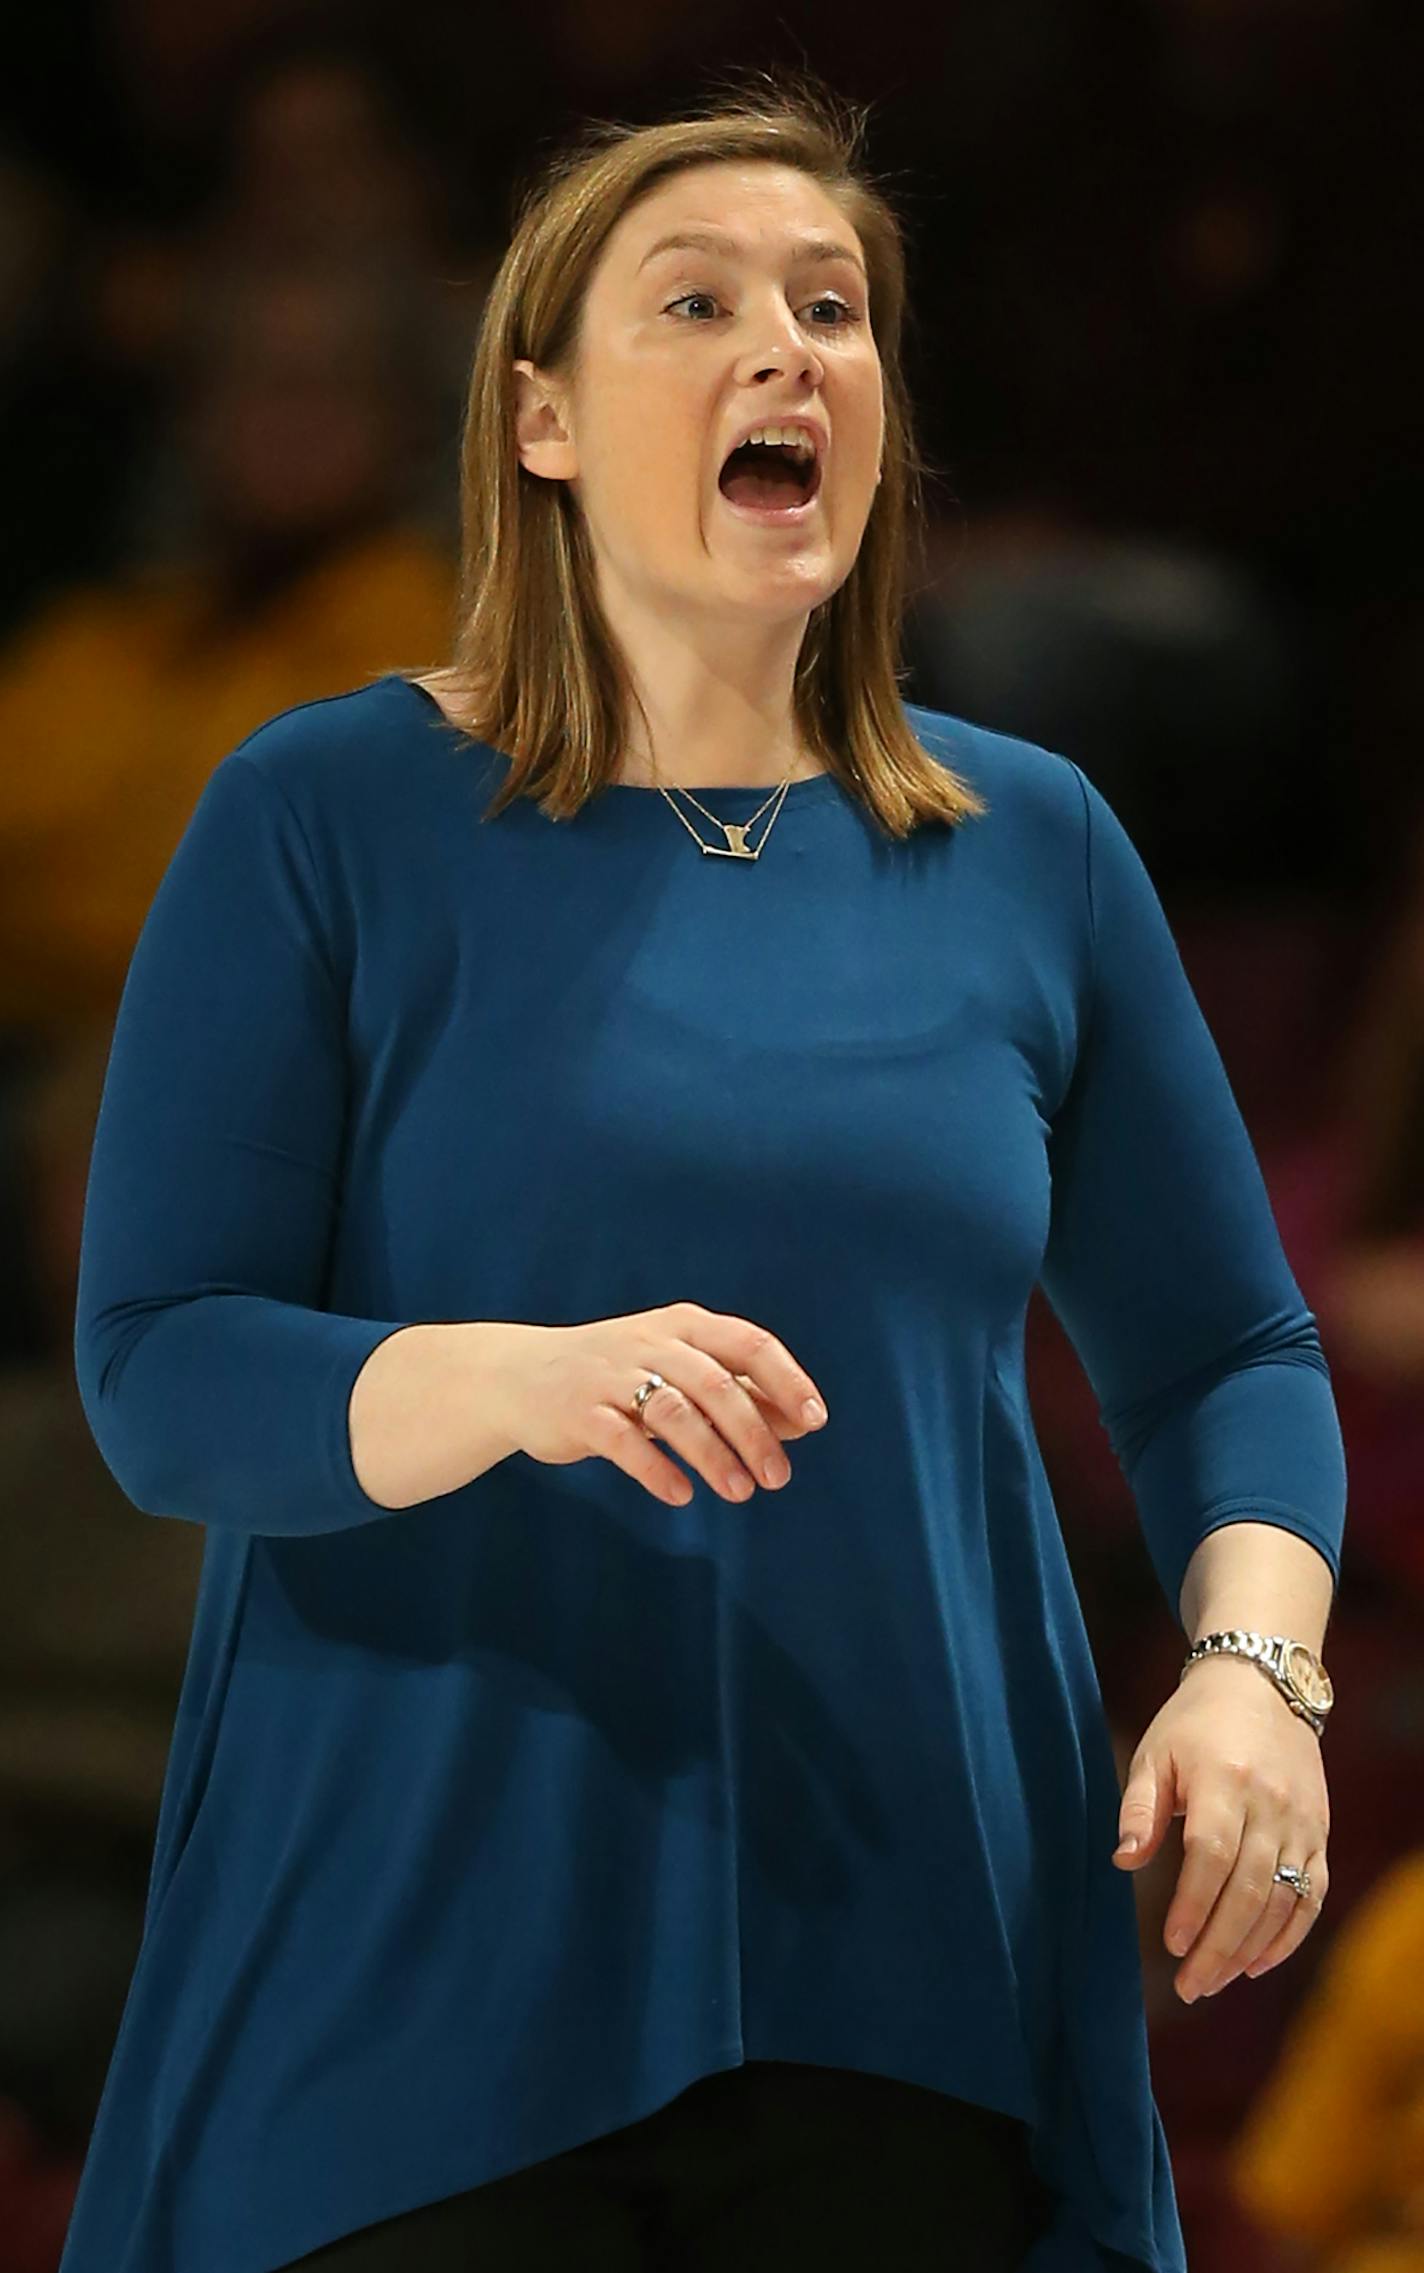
{"x":735,"y":832}
{"x":736,"y":847}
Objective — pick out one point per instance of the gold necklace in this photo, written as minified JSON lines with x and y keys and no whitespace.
{"x":735,"y":832}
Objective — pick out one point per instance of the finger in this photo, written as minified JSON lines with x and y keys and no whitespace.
{"x":1211,"y":1841}
{"x":1249,"y":1897}
{"x":733,"y":1413}
{"x":619,"y":1438}
{"x":744,"y":1347}
{"x":674,"y":1415}
{"x":773,"y":1414}
{"x":1307,"y":1911}
{"x":1277,"y":1915}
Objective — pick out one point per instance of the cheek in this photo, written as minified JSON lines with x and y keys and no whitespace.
{"x":645,"y":472}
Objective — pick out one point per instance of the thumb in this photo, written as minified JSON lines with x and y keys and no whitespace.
{"x":1137,"y":1817}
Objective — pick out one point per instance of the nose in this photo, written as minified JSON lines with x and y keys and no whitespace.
{"x":790,"y":354}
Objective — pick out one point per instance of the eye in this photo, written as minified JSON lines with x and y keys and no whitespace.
{"x":848,"y":315}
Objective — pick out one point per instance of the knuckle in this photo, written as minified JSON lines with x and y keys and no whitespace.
{"x":1214,"y":1846}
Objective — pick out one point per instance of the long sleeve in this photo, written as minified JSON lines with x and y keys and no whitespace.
{"x":1163,"y":1262}
{"x":215,"y":1384}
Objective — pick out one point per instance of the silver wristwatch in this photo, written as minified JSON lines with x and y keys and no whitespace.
{"x":1296,"y":1670}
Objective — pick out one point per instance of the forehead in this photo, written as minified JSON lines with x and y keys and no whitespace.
{"x":767,"y":209}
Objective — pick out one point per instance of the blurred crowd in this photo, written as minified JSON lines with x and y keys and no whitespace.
{"x":1161,"y":259}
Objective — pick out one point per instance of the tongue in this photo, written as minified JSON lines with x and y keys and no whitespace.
{"x":763,"y":485}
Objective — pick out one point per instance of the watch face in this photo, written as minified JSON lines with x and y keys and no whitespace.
{"x":1309,"y":1678}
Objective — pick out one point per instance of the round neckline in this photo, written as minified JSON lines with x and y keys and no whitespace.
{"x":724,"y":797}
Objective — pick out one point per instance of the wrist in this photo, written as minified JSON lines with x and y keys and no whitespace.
{"x":430,"y":1410}
{"x":499,"y":1353}
{"x":1289,"y":1664}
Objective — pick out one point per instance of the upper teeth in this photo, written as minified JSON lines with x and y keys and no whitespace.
{"x":795,"y":437}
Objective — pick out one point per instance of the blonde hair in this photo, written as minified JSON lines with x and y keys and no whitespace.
{"x":534,"y":669}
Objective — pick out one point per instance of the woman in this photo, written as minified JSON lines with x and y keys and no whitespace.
{"x":570,"y":1852}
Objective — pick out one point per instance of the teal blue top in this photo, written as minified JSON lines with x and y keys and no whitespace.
{"x":492,"y":1823}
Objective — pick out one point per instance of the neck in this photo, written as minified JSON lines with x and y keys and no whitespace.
{"x":716,"y":703}
{"x":715,"y":774}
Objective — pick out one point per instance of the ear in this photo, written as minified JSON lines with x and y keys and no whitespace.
{"x":544,"y":444}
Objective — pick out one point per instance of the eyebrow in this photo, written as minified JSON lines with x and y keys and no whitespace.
{"x":712,"y":240}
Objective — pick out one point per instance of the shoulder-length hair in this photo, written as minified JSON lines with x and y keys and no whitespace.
{"x":534,"y":669}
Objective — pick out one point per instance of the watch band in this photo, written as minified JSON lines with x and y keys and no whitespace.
{"x":1273,"y":1653}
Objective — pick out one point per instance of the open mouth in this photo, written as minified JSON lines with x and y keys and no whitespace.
{"x":770,"y":478}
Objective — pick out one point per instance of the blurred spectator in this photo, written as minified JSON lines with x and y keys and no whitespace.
{"x":300,"y":149}
{"x":284,"y":562}
{"x":1350,"y":1201}
{"x":33,"y":220}
{"x":72,"y":411}
{"x":96,"y":1598}
{"x":1179,"y":684}
{"x":1332,"y":2154}
{"x":318,"y":158}
{"x":1383,"y":1098}
{"x":317,"y":147}
{"x":96,"y":1606}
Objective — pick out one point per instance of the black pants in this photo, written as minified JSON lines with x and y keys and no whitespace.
{"x":772,"y":2164}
